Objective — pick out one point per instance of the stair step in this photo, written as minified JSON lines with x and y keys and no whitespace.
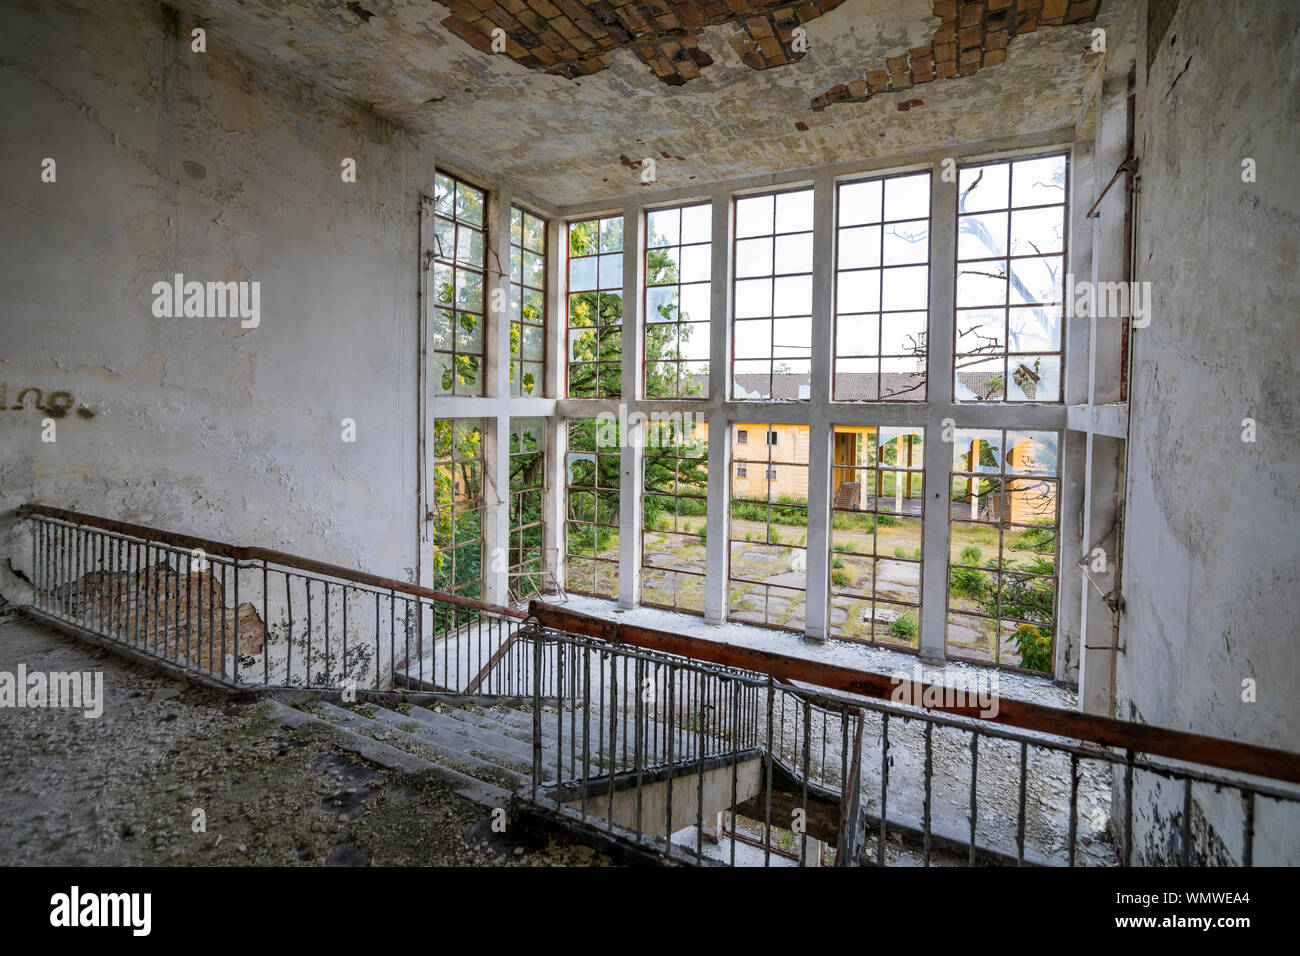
{"x":384,"y":755}
{"x":450,"y":750}
{"x":482,"y":727}
{"x":504,"y":751}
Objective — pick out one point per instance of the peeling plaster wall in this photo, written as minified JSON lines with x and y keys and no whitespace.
{"x":1213,"y":530}
{"x":172,"y":161}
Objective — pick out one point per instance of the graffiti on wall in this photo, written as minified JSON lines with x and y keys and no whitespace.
{"x":56,"y":405}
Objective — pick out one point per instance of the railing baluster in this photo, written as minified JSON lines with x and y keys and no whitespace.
{"x":735,"y":766}
{"x":884,"y":787}
{"x":974,"y":792}
{"x":586,"y":726}
{"x":210,"y":586}
{"x":1020,"y":813}
{"x":1128,"y":808}
{"x":639,"y":750}
{"x":807,"y":768}
{"x":699,"y":815}
{"x":536,"y":637}
{"x":767,"y":822}
{"x":1248,"y":840}
{"x":1187,"y":823}
{"x":929,"y":775}
{"x":223,"y":620}
{"x":288,"y":640}
{"x":1074,"y":807}
{"x":672,"y":720}
{"x":189,"y":605}
{"x":392,"y":639}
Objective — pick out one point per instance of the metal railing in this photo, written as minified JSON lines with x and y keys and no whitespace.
{"x":251,"y":617}
{"x":691,"y":750}
{"x":642,"y":711}
{"x":635,"y":721}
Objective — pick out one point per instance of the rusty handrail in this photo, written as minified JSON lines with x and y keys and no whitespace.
{"x":238,"y":553}
{"x":1104,"y":731}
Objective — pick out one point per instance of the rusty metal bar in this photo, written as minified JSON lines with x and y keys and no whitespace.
{"x":1074,"y":807}
{"x":1248,"y":845}
{"x":1020,"y":811}
{"x":974,"y":790}
{"x":884,"y":788}
{"x":929,"y":778}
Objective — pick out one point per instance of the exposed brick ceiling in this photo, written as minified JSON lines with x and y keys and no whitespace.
{"x":971,"y":34}
{"x":715,"y":99}
{"x":575,"y":37}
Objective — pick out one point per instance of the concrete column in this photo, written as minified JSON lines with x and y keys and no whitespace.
{"x":631,"y":474}
{"x":938,"y":449}
{"x":554,"y":385}
{"x":424,"y":396}
{"x":554,"y":528}
{"x":820,"y":433}
{"x":716,"y":547}
{"x":496,"y":509}
{"x":496,"y":434}
{"x":819,"y":483}
{"x":554,"y":376}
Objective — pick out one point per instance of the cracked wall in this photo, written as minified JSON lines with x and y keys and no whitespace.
{"x":170,"y":161}
{"x":1213,"y":522}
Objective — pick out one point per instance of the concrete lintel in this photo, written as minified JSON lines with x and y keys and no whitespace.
{"x":919,"y":159}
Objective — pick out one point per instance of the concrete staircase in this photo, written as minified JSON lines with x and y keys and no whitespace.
{"x":483,"y":750}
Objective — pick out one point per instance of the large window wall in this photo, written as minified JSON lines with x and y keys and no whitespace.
{"x":928,"y":294}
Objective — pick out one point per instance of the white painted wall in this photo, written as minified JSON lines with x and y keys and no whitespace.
{"x":1213,"y":524}
{"x":174,"y":161}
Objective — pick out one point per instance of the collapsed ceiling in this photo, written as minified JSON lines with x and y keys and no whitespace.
{"x":709,"y":102}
